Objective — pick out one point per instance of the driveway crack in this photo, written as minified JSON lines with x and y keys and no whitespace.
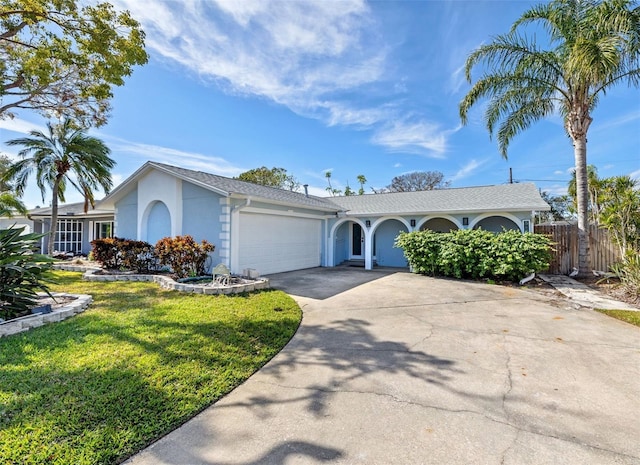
{"x":518,"y":429}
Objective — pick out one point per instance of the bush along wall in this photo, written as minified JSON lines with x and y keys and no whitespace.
{"x":125,"y":254}
{"x":476,"y":254}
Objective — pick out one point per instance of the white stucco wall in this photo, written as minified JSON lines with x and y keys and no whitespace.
{"x":159,"y":187}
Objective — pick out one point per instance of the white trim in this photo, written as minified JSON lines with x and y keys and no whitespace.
{"x":225,"y":235}
{"x":382,"y":219}
{"x":363,"y":235}
{"x":517,"y":221}
{"x":332,"y":235}
{"x":454,"y":220}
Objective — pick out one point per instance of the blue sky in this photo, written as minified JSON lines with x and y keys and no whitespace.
{"x":353,"y":87}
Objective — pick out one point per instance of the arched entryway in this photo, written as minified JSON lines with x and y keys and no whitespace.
{"x":384,"y":237}
{"x":158,"y":222}
{"x":496,"y":224}
{"x":439,"y":225}
{"x":349,"y":239}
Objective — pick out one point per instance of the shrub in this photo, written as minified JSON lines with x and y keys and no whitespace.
{"x":107,"y":253}
{"x":21,"y":271}
{"x":476,"y":254}
{"x":184,"y":255}
{"x":628,"y":271}
{"x":115,"y":253}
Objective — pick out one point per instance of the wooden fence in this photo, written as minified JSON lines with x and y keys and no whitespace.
{"x":603,"y":252}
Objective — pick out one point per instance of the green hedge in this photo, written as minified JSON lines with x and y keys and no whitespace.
{"x":476,"y":254}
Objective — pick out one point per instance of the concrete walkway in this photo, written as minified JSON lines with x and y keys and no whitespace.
{"x":583,"y":295}
{"x":406,"y":369}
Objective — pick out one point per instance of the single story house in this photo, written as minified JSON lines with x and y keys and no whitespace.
{"x":273,"y":230}
{"x":17,"y":221}
{"x":76,"y":229}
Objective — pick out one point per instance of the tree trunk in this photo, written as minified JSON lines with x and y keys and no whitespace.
{"x":582,"y":196}
{"x":53,"y":228}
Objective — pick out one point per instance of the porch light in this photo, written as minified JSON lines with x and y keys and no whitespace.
{"x":465,"y":221}
{"x":368,"y":223}
{"x":413,"y":223}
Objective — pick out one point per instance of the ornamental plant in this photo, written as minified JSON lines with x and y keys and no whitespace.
{"x":184,"y":255}
{"x":476,"y":254}
{"x":116,"y":254}
{"x":21,"y":272}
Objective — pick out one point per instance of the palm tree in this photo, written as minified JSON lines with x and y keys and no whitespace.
{"x":594,"y":186}
{"x":10,"y":204}
{"x":9,"y":201}
{"x":594,"y":45}
{"x":64,"y":155}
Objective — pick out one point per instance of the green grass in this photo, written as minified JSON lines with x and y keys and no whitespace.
{"x":140,"y":361}
{"x":624,"y":315}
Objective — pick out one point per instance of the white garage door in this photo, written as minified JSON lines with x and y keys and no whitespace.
{"x":274,"y":243}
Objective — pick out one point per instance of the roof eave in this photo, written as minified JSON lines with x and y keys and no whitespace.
{"x":440,"y":212}
{"x":235,"y":195}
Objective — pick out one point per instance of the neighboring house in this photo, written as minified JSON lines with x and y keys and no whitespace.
{"x":17,"y":221}
{"x":274,"y":230}
{"x":76,"y":229}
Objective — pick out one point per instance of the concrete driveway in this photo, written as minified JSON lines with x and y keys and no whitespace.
{"x":406,"y":369}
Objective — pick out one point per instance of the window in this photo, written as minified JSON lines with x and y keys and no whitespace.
{"x":68,"y":236}
{"x":526,"y":226}
{"x":103,"y":230}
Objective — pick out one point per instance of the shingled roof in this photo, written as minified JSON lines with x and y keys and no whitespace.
{"x":504,"y":197}
{"x":70,"y":209}
{"x":235,"y":187}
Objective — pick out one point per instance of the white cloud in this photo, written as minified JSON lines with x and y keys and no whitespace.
{"x":397,"y":165}
{"x":466,"y":170}
{"x":20,"y":125}
{"x":293,"y":53}
{"x":457,"y":80}
{"x":420,"y":137}
{"x":317,"y":191}
{"x":635,"y":175}
{"x":189,"y":160}
{"x":619,"y":121}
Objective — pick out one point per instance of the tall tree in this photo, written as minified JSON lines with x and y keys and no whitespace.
{"x":64,"y":155}
{"x":62,"y":57}
{"x":274,"y":177}
{"x":9,"y":201}
{"x":330,"y":189}
{"x":560,"y":207}
{"x":362,"y":181}
{"x":594,"y":184}
{"x":620,"y":213}
{"x":418,"y":181}
{"x":593,"y":45}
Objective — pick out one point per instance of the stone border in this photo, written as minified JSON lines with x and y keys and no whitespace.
{"x":25,"y":323}
{"x":165,"y":282}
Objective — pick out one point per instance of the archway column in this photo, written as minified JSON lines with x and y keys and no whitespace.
{"x":368,"y":248}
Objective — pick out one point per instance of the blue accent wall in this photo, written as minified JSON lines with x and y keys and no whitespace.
{"x":201,"y":212}
{"x":386,"y":254}
{"x":127,"y":216}
{"x":341,"y":243}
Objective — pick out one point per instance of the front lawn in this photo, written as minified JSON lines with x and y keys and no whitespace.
{"x":625,"y":315}
{"x":140,"y":361}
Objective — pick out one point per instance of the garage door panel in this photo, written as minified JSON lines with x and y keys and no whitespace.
{"x":274,"y":243}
